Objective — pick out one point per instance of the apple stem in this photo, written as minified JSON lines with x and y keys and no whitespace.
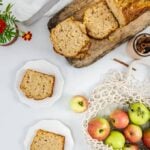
{"x":81,"y":103}
{"x":101,"y":130}
{"x":113,"y":120}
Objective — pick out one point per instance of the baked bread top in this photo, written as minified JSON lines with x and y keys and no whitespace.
{"x":127,"y":10}
{"x":37,"y":85}
{"x":99,"y":21}
{"x":69,"y":37}
{"x":45,"y":140}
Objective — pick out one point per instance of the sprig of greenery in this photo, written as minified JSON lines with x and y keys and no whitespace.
{"x":10,"y":31}
{"x":1,"y":3}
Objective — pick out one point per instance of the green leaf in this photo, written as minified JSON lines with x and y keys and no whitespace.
{"x":1,"y":3}
{"x":8,"y":8}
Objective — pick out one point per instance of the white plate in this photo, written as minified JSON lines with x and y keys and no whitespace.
{"x":44,"y":67}
{"x":51,"y":126}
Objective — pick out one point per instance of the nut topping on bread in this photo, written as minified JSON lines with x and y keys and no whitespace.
{"x":69,"y":37}
{"x":99,"y":21}
{"x":37,"y":85}
{"x":45,"y":140}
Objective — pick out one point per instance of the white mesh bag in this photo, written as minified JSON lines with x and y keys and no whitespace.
{"x":118,"y":90}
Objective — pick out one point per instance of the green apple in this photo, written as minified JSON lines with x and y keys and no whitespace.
{"x":116,"y":140}
{"x":79,"y":104}
{"x":138,"y":113}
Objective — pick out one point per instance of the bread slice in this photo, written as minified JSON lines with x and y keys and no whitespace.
{"x":99,"y":21}
{"x":69,"y":37}
{"x":37,"y":85}
{"x":83,"y":52}
{"x":45,"y":140}
{"x":127,"y":10}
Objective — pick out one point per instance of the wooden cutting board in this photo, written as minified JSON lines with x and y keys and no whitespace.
{"x":99,"y":48}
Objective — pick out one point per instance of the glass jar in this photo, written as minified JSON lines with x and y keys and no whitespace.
{"x":139,"y":46}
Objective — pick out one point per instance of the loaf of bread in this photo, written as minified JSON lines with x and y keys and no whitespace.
{"x":37,"y":85}
{"x":69,"y":37}
{"x":99,"y":48}
{"x":127,"y":10}
{"x":45,"y":140}
{"x":99,"y":21}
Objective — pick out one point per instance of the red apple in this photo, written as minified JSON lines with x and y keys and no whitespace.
{"x":99,"y":128}
{"x":133,"y":133}
{"x":131,"y":147}
{"x":119,"y":119}
{"x":146,"y":138}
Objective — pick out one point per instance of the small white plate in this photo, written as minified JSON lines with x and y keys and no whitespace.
{"x":54,"y":126}
{"x":44,"y":67}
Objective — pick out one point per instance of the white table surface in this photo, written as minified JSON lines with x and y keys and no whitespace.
{"x":16,"y":118}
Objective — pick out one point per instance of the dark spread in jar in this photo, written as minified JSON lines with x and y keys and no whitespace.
{"x":142,"y":44}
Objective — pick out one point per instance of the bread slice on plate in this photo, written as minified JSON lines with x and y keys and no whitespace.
{"x":69,"y":37}
{"x":37,"y":85}
{"x":45,"y":140}
{"x":99,"y":21}
{"x":127,"y":10}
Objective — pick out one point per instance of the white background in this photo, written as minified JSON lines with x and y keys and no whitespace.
{"x":16,"y":118}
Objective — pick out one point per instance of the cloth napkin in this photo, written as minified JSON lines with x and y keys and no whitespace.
{"x":29,"y":10}
{"x":61,"y":4}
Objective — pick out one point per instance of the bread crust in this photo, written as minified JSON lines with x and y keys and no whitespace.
{"x":83,"y":53}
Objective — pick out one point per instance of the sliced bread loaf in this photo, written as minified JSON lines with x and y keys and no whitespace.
{"x":45,"y":140}
{"x":99,"y":21}
{"x":69,"y":37}
{"x":127,"y":10}
{"x":37,"y":85}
